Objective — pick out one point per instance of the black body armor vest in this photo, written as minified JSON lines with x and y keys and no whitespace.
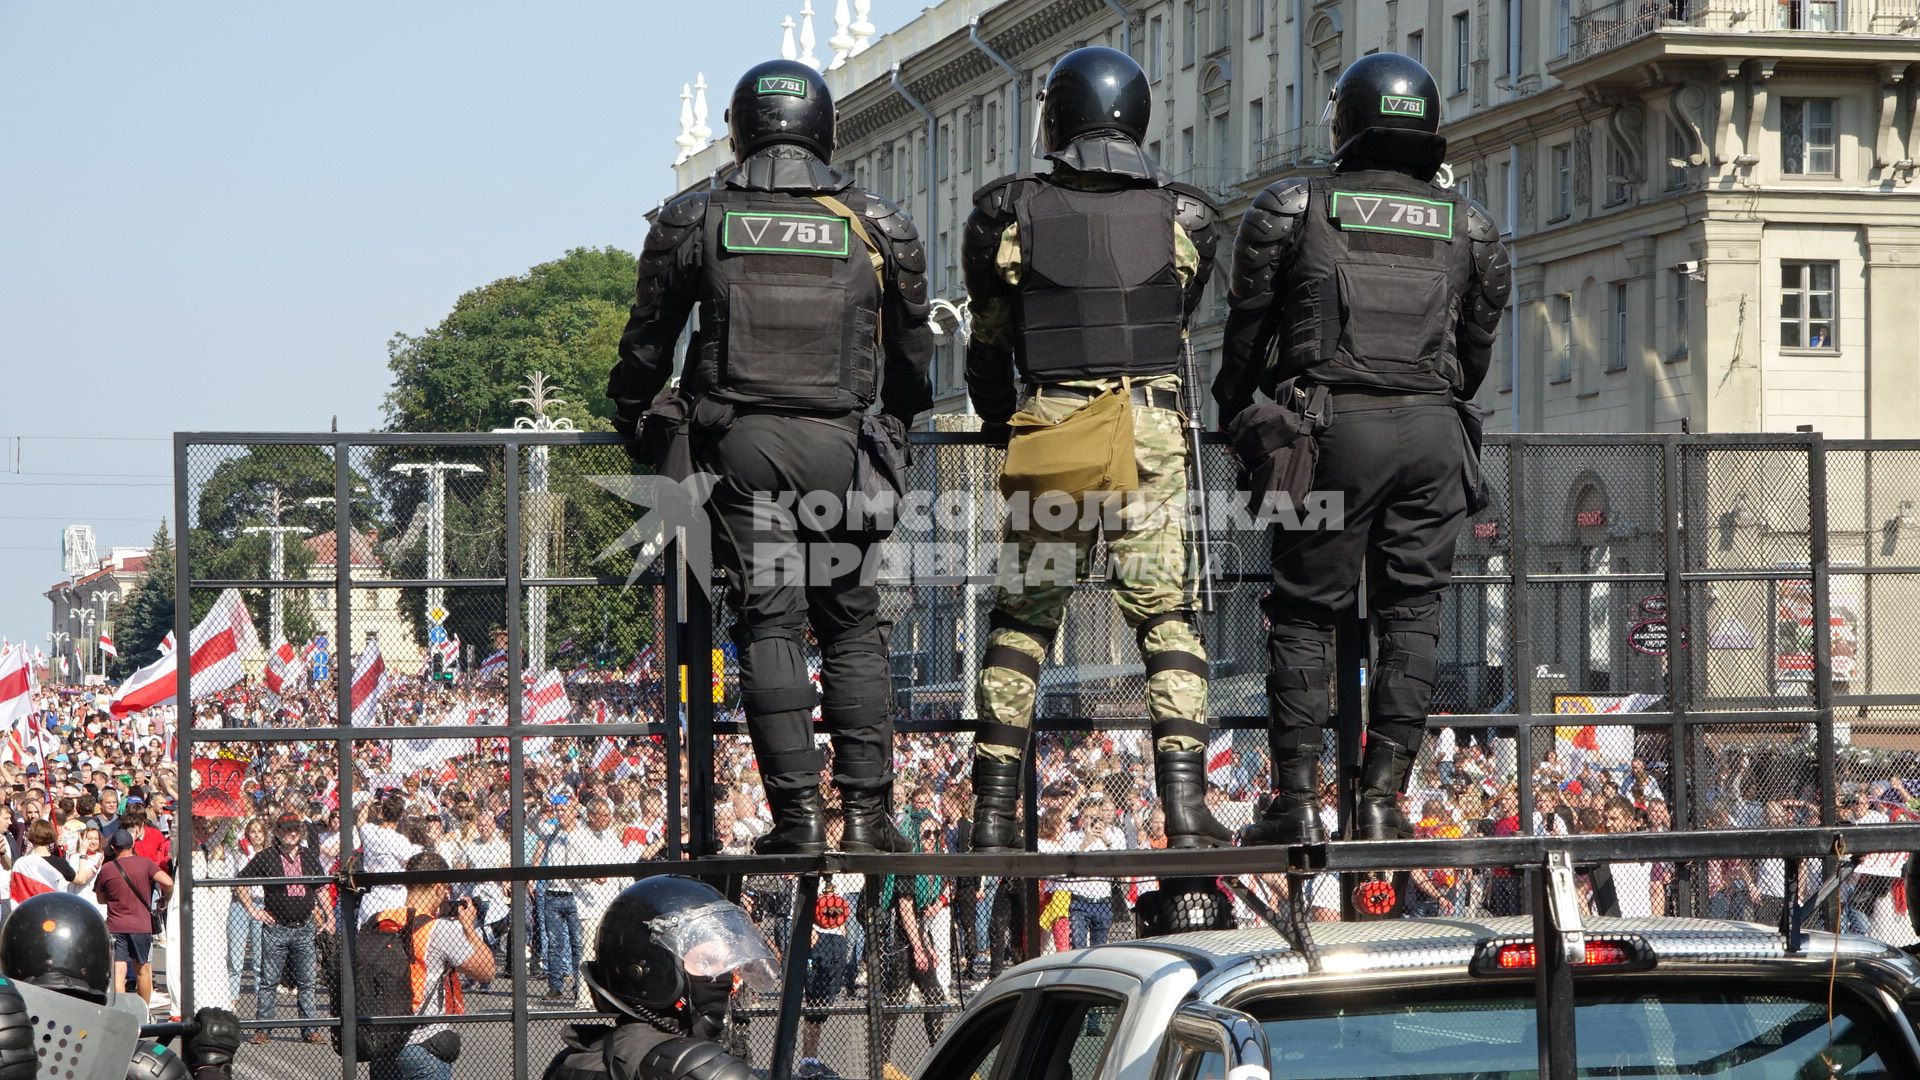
{"x":789,"y":305}
{"x":1099,"y":294}
{"x":1374,"y":288}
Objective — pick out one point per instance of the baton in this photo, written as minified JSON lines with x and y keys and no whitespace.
{"x":166,"y":1030}
{"x":1197,"y":483}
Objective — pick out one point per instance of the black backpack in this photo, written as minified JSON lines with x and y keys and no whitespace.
{"x":382,"y":986}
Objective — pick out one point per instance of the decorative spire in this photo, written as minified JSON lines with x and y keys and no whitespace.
{"x":807,"y":55}
{"x":862,"y":28}
{"x":841,"y":42}
{"x":685,"y":140}
{"x":702,"y":134}
{"x":787,"y":49}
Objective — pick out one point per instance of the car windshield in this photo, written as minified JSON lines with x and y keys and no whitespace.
{"x":1659,"y":1028}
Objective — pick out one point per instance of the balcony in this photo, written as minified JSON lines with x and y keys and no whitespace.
{"x":1221,"y":184}
{"x":1614,"y":24}
{"x":1303,"y":146}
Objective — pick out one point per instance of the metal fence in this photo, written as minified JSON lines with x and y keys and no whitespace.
{"x":1636,"y":615}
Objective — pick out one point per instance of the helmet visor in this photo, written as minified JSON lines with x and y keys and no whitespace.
{"x":718,"y":938}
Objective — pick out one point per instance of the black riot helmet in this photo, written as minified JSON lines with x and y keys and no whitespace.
{"x":781,"y":101}
{"x":58,"y":941}
{"x":1094,"y":89}
{"x":669,"y":950}
{"x":1385,"y":109}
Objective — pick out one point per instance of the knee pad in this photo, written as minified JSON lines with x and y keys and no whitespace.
{"x":1403,"y":688}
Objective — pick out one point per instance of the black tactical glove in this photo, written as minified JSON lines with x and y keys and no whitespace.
{"x":214,"y":1040}
{"x":897,"y":432}
{"x":17,"y":1059}
{"x":997,"y":432}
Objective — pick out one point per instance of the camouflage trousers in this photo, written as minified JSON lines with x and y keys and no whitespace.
{"x":1152,"y":578}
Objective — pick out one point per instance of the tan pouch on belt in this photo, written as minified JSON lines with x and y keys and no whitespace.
{"x":1090,"y":450}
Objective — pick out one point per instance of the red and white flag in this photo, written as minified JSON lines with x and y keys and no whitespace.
{"x":369,"y":682}
{"x":166,"y":644}
{"x":16,"y":689}
{"x":1219,"y":754}
{"x":106,"y":645}
{"x":606,"y":759}
{"x":33,"y":875}
{"x":546,"y":701}
{"x":285,"y":673}
{"x":219,"y":642}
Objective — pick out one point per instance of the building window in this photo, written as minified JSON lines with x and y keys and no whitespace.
{"x":1153,"y":151}
{"x":886,"y":175}
{"x":1678,"y":149}
{"x":970,"y":147}
{"x":1497,"y":204}
{"x":1222,"y":152}
{"x":1562,"y":176}
{"x":1806,"y":305}
{"x":1222,"y":24}
{"x":946,"y":144}
{"x":1682,"y":311}
{"x":1622,"y":329}
{"x":1186,"y":150}
{"x":1256,"y":126}
{"x":1511,"y":65}
{"x":1821,"y":15}
{"x":1256,"y":18}
{"x":1288,"y":118}
{"x":1562,"y":319}
{"x":1619,"y":186}
{"x":1189,"y":32}
{"x":1417,"y":46}
{"x":1806,"y":136}
{"x":1462,"y":43}
{"x":1156,"y":47}
{"x":1562,"y":27}
{"x":993,"y":130}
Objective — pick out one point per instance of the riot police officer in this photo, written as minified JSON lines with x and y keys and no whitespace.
{"x":1385,"y":289}
{"x":812,"y":301}
{"x":58,"y":941}
{"x":1081,"y":282}
{"x":665,"y":966}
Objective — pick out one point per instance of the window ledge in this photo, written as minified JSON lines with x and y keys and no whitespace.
{"x":1829,"y":352}
{"x":1616,"y":370}
{"x":1560,"y":380}
{"x":1677,"y":355}
{"x":1584,"y":394}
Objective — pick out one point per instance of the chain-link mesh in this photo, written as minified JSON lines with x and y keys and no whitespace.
{"x":472,"y":566}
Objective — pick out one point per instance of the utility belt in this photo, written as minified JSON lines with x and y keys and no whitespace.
{"x":1151,"y":397}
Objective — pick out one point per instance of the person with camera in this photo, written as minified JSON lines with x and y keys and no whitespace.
{"x":289,"y":918}
{"x":127,"y":884}
{"x":444,"y":944}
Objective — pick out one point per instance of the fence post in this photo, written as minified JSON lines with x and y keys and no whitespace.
{"x":673,"y":614}
{"x":343,"y":718}
{"x":870,"y":915}
{"x":1818,"y":555}
{"x":516,"y":760}
{"x":180,"y":968}
{"x":1519,"y":646}
{"x":698,"y":663}
{"x":1680,"y":773}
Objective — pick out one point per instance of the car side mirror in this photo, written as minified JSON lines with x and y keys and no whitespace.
{"x":1202,"y":1028}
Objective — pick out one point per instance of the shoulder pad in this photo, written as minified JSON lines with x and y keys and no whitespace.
{"x":152,"y":1061}
{"x":685,"y":210}
{"x":693,"y":1059}
{"x":1191,"y":207}
{"x":1287,"y":197}
{"x":1480,"y":226}
{"x":892,"y":220}
{"x":998,"y":197}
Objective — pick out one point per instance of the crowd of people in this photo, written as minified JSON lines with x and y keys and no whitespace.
{"x":271,"y":809}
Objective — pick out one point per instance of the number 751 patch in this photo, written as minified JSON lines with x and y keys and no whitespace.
{"x":785,"y":234}
{"x":1361,"y":211}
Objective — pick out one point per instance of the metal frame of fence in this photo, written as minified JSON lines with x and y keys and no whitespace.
{"x":1682,"y":462}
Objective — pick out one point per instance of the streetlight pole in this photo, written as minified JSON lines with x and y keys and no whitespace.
{"x":106,"y":597}
{"x":277,"y":564}
{"x":83,"y":616}
{"x":546,"y":508}
{"x":54,"y":639}
{"x":436,"y":473}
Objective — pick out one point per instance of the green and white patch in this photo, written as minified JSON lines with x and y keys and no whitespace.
{"x":823,"y":235}
{"x":1402,"y":105}
{"x":781,"y":84}
{"x":1362,"y":211}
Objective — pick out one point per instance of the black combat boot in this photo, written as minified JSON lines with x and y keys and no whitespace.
{"x":1181,"y":776}
{"x":1293,"y":814}
{"x":1383,"y":776}
{"x":799,"y":823}
{"x":867,"y":804}
{"x":996,"y":804}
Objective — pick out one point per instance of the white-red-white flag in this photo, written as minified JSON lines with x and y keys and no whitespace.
{"x":16,"y":689}
{"x":219,"y":642}
{"x":546,"y":701}
{"x":166,"y":644}
{"x":1219,"y":754}
{"x":606,"y":759}
{"x":106,"y":645}
{"x":369,"y":683}
{"x":285,"y":673}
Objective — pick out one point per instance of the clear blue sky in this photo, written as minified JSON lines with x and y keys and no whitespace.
{"x":213,"y":215}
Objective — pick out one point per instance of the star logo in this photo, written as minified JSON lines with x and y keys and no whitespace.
{"x":675,"y":510}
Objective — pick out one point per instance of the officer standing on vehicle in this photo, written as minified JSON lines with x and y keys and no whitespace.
{"x":665,"y":965}
{"x":1082,"y":281}
{"x":812,"y":300}
{"x":1386,"y":289}
{"x":58,"y":941}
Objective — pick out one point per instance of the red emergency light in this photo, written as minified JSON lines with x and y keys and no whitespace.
{"x":1520,"y":957}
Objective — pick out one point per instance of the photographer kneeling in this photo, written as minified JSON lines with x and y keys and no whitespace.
{"x":444,"y":944}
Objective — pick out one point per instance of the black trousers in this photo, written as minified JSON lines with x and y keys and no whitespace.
{"x":1399,"y":463}
{"x":789,"y":569}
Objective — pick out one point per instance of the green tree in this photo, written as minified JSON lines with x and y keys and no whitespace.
{"x":562,"y":318}
{"x":147,"y":614}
